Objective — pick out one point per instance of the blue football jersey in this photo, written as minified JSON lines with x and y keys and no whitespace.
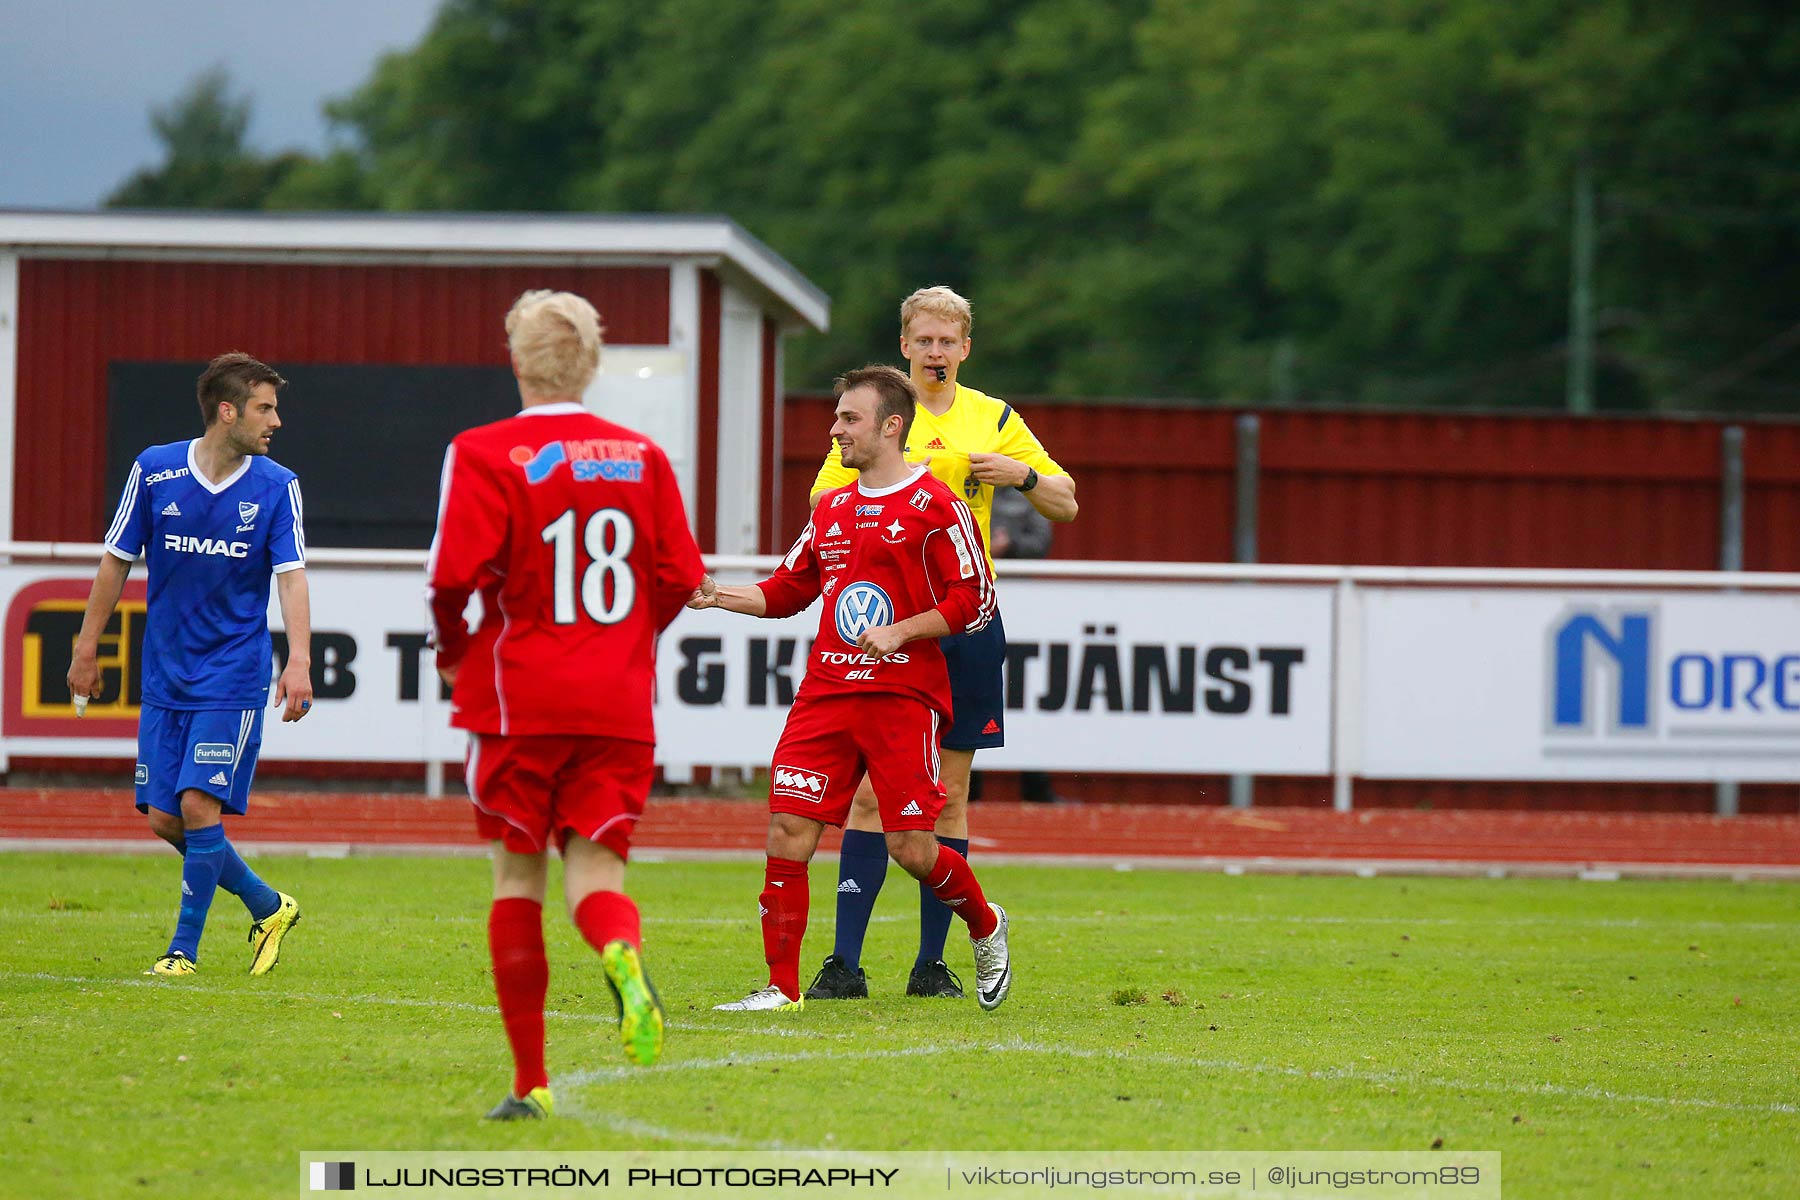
{"x":211,"y":550}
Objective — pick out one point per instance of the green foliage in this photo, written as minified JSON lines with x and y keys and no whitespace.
{"x":1233,"y":199}
{"x":1608,"y":1039}
{"x":206,"y":164}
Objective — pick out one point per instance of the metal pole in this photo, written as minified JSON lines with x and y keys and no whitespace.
{"x":1346,"y":692}
{"x":1248,"y":479}
{"x":1282,"y":386}
{"x":1731,"y":498}
{"x":1243,"y":541}
{"x":1581,"y":292}
{"x":1731,"y":557}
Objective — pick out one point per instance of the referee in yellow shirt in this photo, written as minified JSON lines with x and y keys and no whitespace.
{"x":975,"y":444}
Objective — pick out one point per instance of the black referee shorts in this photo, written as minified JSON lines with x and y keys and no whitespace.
{"x":977,"y":663}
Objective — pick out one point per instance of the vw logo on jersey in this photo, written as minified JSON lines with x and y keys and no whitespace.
{"x":860,"y":608}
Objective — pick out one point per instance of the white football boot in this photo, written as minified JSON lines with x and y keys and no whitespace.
{"x":769,"y":999}
{"x":993,"y":965}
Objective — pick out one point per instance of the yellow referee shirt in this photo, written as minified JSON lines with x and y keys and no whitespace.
{"x":975,"y":423}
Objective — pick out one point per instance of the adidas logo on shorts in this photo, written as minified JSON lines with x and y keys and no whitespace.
{"x":219,"y":780}
{"x":912,"y":809}
{"x":848,"y":887}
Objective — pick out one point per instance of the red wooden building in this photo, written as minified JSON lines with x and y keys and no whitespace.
{"x":695,"y":310}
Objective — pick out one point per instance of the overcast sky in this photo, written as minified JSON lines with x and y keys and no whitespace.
{"x":78,"y":78}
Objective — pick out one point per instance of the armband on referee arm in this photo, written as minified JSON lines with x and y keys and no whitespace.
{"x":1031,"y":479}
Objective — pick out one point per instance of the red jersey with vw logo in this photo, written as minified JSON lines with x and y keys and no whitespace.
{"x":877,"y":556}
{"x":572,"y":530}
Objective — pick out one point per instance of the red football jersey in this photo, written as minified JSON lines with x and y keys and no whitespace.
{"x":573,"y":531}
{"x":877,"y":556}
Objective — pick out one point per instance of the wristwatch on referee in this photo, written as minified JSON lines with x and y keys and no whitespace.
{"x":1031,"y":478}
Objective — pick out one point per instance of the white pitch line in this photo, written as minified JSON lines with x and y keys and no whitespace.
{"x":1259,"y":865}
{"x":1346,"y":1074}
{"x":1097,"y":918}
{"x":486,"y":1010}
{"x":616,"y":1074}
{"x":1394,"y":1077}
{"x":626,"y":1125}
{"x":608,"y":1074}
{"x":578,"y":1111}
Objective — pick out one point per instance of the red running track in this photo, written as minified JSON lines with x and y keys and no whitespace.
{"x":1299,"y":838}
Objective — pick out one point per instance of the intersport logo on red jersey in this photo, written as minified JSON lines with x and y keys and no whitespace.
{"x":588,"y":459}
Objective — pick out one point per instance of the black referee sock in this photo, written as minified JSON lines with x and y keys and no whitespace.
{"x":862,"y":868}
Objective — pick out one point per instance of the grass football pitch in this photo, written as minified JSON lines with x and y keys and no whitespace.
{"x":1610,"y":1039}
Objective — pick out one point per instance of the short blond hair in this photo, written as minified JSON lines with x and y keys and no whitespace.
{"x":940,"y":302}
{"x":555,"y":342}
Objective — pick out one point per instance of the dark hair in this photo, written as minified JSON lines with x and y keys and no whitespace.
{"x":897,"y":395}
{"x":230,"y":379}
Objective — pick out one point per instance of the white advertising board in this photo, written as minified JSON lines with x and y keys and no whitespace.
{"x":369,"y":665}
{"x":1114,"y":675}
{"x":1168,"y":676}
{"x":1537,"y":684}
{"x":1102,"y":676}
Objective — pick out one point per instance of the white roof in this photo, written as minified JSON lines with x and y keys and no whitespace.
{"x":436,"y":238}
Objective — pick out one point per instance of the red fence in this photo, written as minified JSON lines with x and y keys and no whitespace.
{"x":1398,"y":489}
{"x":76,"y":316}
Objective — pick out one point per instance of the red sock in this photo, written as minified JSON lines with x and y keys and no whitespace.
{"x":951,"y":881}
{"x":521,"y":978}
{"x":606,"y":917}
{"x":783,"y":904}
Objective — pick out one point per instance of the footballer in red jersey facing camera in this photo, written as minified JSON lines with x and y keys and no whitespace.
{"x":899,"y":562}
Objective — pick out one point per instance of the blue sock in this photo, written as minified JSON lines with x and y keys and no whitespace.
{"x":934,"y":914}
{"x":199,"y":880}
{"x":862,"y":868}
{"x":236,"y":877}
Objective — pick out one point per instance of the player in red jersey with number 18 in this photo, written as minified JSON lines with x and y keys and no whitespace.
{"x":572,"y":531}
{"x":899,"y":561}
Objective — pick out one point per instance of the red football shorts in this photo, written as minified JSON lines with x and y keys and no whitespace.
{"x":830,"y":741}
{"x":527,"y":788}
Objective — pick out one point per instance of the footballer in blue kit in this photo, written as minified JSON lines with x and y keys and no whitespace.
{"x":214,"y":518}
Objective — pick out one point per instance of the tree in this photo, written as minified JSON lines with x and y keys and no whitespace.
{"x":1330,"y":201}
{"x":206,"y":163}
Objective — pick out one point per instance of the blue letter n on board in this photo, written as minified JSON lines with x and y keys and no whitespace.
{"x":1584,"y":646}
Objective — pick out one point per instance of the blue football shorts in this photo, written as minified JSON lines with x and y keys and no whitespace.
{"x":977,"y":663}
{"x":207,"y":750}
